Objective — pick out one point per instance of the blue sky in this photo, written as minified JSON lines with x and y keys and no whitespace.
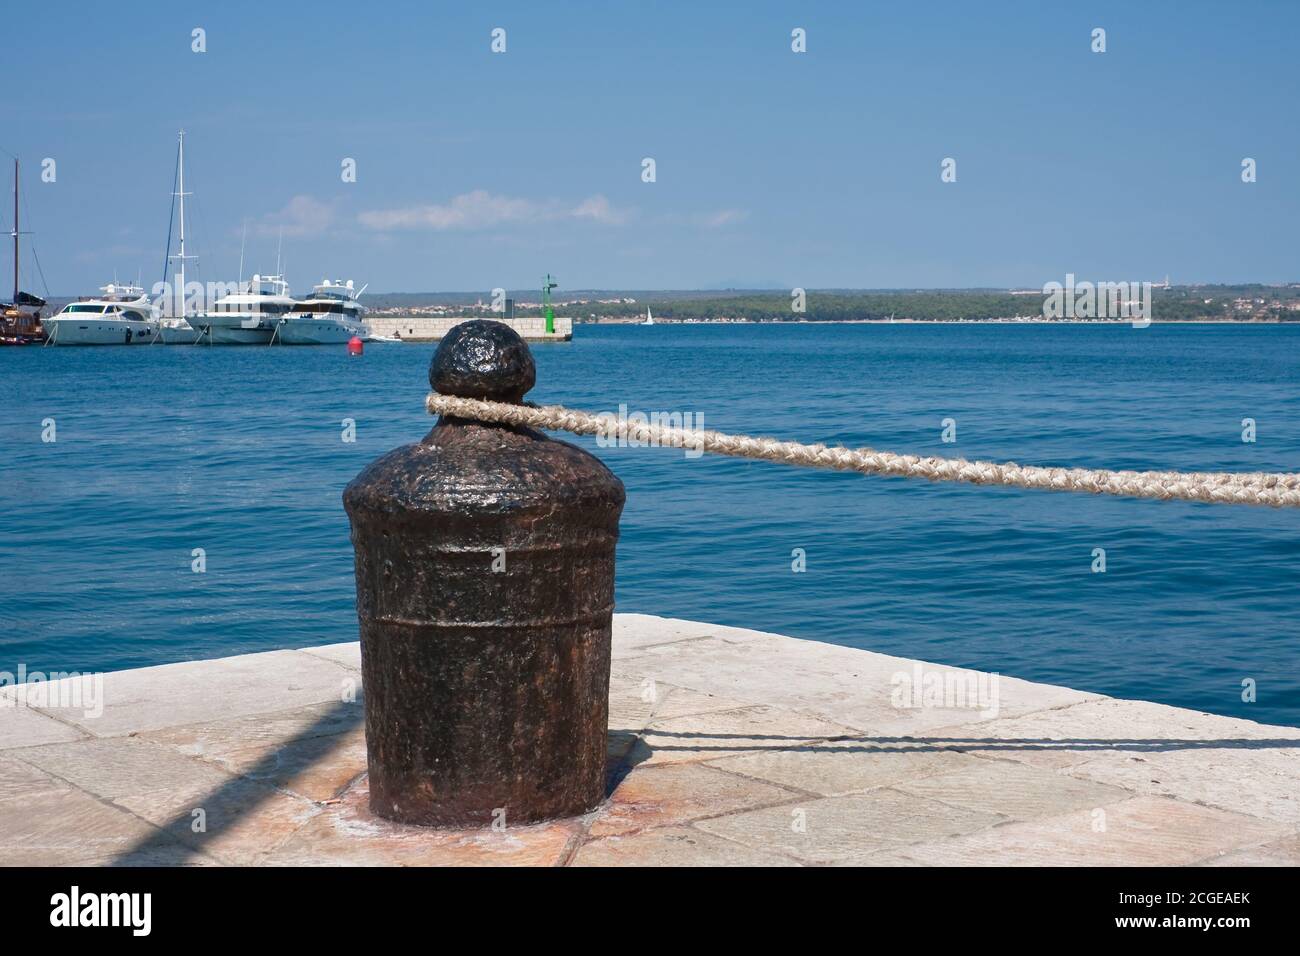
{"x":820,"y":169}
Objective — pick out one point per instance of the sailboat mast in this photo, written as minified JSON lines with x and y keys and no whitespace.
{"x":16,"y":231}
{"x":179,"y":296}
{"x":182,"y":192}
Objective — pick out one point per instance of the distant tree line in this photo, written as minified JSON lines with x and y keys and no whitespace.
{"x":1169,"y":305}
{"x":1181,"y":303}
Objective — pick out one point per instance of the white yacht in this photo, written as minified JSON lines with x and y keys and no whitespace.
{"x":649,"y":319}
{"x":247,"y":317}
{"x":123,"y":315}
{"x":332,"y":315}
{"x":177,"y":331}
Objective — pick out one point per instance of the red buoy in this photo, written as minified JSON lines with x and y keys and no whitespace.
{"x":355,"y":346}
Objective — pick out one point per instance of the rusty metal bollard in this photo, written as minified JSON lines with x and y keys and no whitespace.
{"x":485,"y":591}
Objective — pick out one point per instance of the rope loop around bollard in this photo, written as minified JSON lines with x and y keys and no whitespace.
{"x":1275,"y":489}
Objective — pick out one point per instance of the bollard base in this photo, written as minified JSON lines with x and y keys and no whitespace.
{"x":511,"y":727}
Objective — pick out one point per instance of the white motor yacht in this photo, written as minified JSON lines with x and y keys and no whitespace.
{"x":123,"y":315}
{"x":331,"y":316}
{"x":247,"y":317}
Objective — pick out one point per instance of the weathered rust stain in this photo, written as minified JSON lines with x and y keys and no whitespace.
{"x":486,"y":692}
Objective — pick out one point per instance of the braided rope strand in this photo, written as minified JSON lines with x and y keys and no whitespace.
{"x":1275,"y":489}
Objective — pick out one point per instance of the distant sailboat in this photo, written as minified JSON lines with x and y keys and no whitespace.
{"x":649,"y":319}
{"x":177,"y":329}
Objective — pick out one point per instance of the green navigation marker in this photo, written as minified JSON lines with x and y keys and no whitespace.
{"x":546,"y":304}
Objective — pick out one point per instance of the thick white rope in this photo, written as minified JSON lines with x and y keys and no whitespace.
{"x":1278,"y":490}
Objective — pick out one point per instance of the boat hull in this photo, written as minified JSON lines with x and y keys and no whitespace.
{"x":319,"y":332}
{"x":85,"y":330}
{"x":234,"y":329}
{"x":234,"y":335}
{"x":179,"y":335}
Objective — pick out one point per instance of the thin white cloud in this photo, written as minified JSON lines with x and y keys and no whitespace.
{"x":481,"y":209}
{"x":723,"y":217}
{"x":713,"y":219}
{"x":598,"y":209}
{"x":301,"y":216}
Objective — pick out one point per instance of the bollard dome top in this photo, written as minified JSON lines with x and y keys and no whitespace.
{"x":483,"y":359}
{"x":465,"y":467}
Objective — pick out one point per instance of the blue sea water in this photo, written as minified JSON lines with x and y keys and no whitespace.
{"x":238,"y":451}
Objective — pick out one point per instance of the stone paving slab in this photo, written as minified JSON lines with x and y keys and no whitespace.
{"x":680,"y":793}
{"x":1284,"y":852}
{"x":240,"y":823}
{"x":72,"y":828}
{"x":21,"y":780}
{"x":24,"y":727}
{"x":346,"y":833}
{"x":726,"y":747}
{"x":171,"y":695}
{"x":835,"y":769}
{"x":1013,"y":790}
{"x":215,"y":739}
{"x":349,"y":655}
{"x":314,"y":752}
{"x":111,"y":767}
{"x":854,"y":688}
{"x":1142,"y":831}
{"x":727,"y":732}
{"x":847,"y":830}
{"x":674,"y":846}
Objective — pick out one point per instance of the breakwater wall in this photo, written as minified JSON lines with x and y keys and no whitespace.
{"x":426,"y":328}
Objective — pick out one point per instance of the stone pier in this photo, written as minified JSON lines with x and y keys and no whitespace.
{"x":425,"y":328}
{"x":726,"y":747}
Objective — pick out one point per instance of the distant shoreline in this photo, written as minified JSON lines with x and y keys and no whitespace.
{"x":1126,"y":322}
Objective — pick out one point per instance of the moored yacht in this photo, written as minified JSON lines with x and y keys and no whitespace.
{"x":332,"y":315}
{"x":177,"y":331}
{"x":123,"y":315}
{"x":20,"y":318}
{"x":20,"y":321}
{"x":246,"y":317}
